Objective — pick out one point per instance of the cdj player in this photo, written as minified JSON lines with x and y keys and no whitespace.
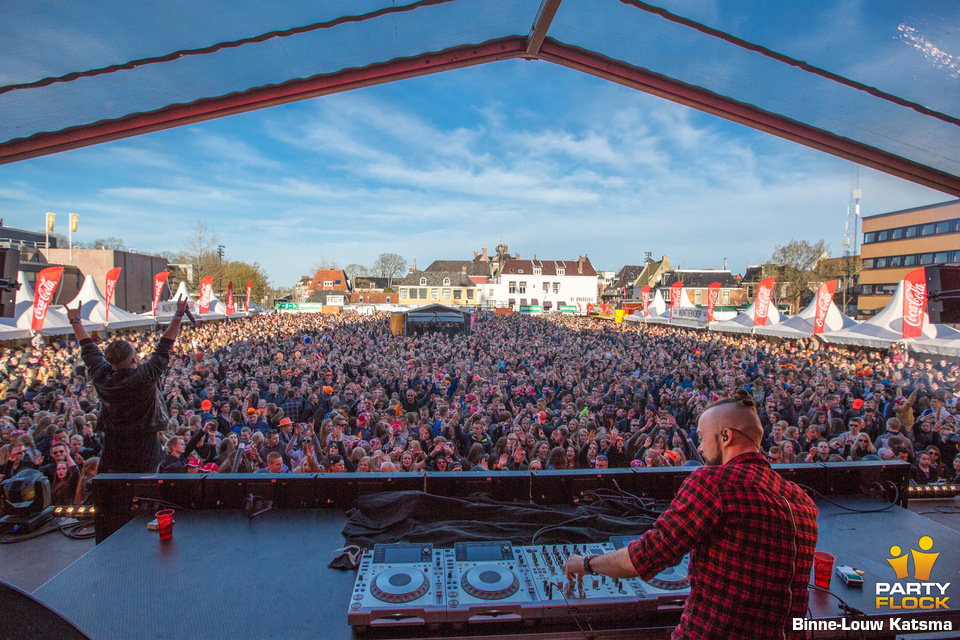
{"x":479,"y":582}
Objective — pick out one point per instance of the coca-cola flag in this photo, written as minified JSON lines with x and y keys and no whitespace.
{"x":111,"y":285}
{"x":824,"y":299}
{"x":206,"y":293}
{"x":762,"y":308}
{"x":606,"y":308}
{"x":246,"y":305}
{"x":231,"y":305}
{"x":645,"y":300}
{"x":675,"y":293}
{"x":47,"y":281}
{"x":713,"y":295}
{"x":914,"y":303}
{"x":589,"y":308}
{"x":158,"y":281}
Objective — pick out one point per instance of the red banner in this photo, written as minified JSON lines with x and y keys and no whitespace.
{"x":713,"y":295}
{"x":824,"y":299}
{"x":589,"y":308}
{"x":606,"y":308}
{"x":231,"y":305}
{"x":206,"y":293}
{"x":158,"y":281}
{"x":762,"y":308}
{"x":645,"y":300}
{"x":675,"y":293}
{"x":47,"y":281}
{"x":111,"y":285}
{"x":914,"y":303}
{"x":246,"y":305}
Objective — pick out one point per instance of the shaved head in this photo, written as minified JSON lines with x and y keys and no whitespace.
{"x":728,"y":428}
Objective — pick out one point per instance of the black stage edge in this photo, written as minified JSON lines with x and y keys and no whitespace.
{"x":120,"y":498}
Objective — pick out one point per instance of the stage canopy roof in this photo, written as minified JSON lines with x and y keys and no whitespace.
{"x":876,"y":82}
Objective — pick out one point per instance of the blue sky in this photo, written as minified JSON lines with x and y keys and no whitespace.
{"x":548,"y":160}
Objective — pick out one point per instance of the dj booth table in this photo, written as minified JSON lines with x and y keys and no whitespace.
{"x":223,"y":575}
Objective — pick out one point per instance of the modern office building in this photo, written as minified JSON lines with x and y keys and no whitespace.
{"x":896,"y":243}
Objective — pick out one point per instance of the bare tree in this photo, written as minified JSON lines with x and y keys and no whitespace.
{"x":115,"y":244}
{"x":324,"y":262}
{"x":389,"y":265}
{"x":797,"y":261}
{"x":200,"y":250}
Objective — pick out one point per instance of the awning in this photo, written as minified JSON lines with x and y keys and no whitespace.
{"x":512,"y":301}
{"x":561,"y":303}
{"x":435,"y":317}
{"x":523,"y":301}
{"x":547,"y":304}
{"x":534,"y":302}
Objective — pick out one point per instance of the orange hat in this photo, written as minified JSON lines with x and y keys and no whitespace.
{"x":251,"y":410}
{"x":284,"y":422}
{"x":205,"y":405}
{"x":328,"y":390}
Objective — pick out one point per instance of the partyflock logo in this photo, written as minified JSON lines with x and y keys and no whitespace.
{"x":921,"y":593}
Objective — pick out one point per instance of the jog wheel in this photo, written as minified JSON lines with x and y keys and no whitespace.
{"x":399,"y":584}
{"x":672,"y":579}
{"x":490,"y":582}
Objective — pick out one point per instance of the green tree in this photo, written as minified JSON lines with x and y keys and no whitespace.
{"x":796,"y":262}
{"x":240,"y":273}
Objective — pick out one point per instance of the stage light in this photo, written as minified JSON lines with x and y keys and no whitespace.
{"x":26,"y":502}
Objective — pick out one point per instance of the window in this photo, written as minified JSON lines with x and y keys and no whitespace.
{"x":896,"y":261}
{"x":926,"y":258}
{"x":945,"y":227}
{"x":866,"y":289}
{"x":912,"y":231}
{"x":337,"y":283}
{"x":868,"y":263}
{"x":388,"y":299}
{"x":423,"y":282}
{"x":519,"y":270}
{"x":423,"y":294}
{"x":446,"y":282}
{"x":457,"y":294}
{"x":783,"y":291}
{"x":489,"y":293}
{"x":697,"y":297}
{"x":537,"y":271}
{"x":886,"y":289}
{"x":523,"y":287}
{"x":880,"y":263}
{"x":361,"y":298}
{"x":928,"y":229}
{"x":546,"y":288}
{"x":955,"y":256}
{"x":556,"y":287}
{"x":560,"y":271}
{"x":909,"y":261}
{"x":896,"y":234}
{"x":869,"y":237}
{"x":725,"y":296}
{"x":470,"y":294}
{"x":435,"y":293}
{"x":328,"y":284}
{"x":512,"y":288}
{"x":511,"y":269}
{"x":883,"y":236}
{"x":446,"y":293}
{"x":941,"y":257}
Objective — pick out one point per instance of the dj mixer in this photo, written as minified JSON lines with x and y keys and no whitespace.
{"x":479,"y":582}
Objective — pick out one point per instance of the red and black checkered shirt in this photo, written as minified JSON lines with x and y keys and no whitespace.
{"x":749,"y":559}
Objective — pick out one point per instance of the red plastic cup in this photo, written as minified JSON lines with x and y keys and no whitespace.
{"x":165,"y":523}
{"x":822,"y":569}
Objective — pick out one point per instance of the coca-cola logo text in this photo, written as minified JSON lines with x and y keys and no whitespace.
{"x":914,"y":298}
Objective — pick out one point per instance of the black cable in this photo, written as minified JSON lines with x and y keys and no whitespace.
{"x":283,"y":33}
{"x":44,"y":530}
{"x":846,"y":608}
{"x":76,"y":530}
{"x":159,"y":503}
{"x":837,"y":504}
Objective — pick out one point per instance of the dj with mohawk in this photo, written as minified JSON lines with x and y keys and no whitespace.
{"x":750,"y":535}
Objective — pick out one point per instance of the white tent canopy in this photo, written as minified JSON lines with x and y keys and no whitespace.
{"x":886,"y":328}
{"x":659,"y":311}
{"x":657,"y":307}
{"x":181,"y":293}
{"x":94,"y":309}
{"x":55,"y":324}
{"x":801,"y":325}
{"x":743,"y":323}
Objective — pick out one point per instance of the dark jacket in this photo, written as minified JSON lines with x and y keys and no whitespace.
{"x":132,"y":409}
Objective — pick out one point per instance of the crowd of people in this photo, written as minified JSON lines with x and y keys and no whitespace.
{"x":311,"y":393}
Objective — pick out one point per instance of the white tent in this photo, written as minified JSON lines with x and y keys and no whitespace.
{"x":181,"y":293}
{"x":659,"y":311}
{"x":95,"y":309}
{"x":656,"y":308}
{"x":10,"y":331}
{"x":743,"y":323}
{"x":886,"y":328}
{"x":55,"y":324}
{"x":218,"y":309}
{"x":801,"y":325}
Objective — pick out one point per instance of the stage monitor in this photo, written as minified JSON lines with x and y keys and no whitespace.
{"x":119,"y":498}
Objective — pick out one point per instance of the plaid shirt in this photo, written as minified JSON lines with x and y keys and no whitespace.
{"x":292,"y":408}
{"x":744,"y":550}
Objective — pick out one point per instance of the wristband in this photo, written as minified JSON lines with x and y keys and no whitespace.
{"x":587,"y":569}
{"x":76,"y":320}
{"x":178,"y":316}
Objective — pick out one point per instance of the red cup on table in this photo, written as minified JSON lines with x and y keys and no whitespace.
{"x":822,"y":569}
{"x":165,"y":523}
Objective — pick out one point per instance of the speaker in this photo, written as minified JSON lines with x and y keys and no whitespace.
{"x":119,"y":498}
{"x":23,"y":616}
{"x":9,"y":267}
{"x":943,"y":293}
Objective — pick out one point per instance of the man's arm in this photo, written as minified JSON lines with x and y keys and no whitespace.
{"x":173,"y":330}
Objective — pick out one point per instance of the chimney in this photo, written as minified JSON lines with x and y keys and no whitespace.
{"x":484,"y":254}
{"x":580,"y":265}
{"x":474,"y":255}
{"x":411,"y":270}
{"x":506,"y":249}
{"x":724,"y":264}
{"x":463,"y":270}
{"x":518,"y":255}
